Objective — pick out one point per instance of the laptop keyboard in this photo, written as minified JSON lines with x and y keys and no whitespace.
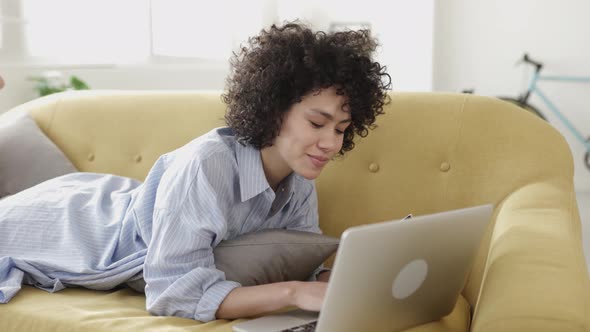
{"x":308,"y":327}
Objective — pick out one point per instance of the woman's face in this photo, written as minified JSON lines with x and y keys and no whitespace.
{"x":312,"y":133}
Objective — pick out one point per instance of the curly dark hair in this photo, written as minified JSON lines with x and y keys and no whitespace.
{"x":280,"y":66}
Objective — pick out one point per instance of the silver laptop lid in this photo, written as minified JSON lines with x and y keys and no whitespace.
{"x":393,"y":275}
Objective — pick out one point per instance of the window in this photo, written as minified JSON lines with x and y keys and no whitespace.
{"x":128,"y":31}
{"x":190,"y":29}
{"x":105,"y":31}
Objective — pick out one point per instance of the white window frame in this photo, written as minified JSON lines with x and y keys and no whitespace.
{"x":13,"y":49}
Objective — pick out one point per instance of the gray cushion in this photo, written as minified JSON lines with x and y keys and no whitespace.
{"x":269,"y":256}
{"x":273,"y":255}
{"x":27,"y":156}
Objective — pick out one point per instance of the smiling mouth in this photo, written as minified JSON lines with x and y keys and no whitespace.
{"x":318,"y":161}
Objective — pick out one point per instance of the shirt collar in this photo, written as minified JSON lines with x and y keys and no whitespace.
{"x":288,"y":185}
{"x":252,"y":178}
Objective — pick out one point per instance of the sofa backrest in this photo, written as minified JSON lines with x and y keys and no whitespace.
{"x":430,"y":152}
{"x":124,"y":132}
{"x":435,"y":152}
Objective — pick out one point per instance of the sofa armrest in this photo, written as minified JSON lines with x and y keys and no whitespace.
{"x":535,"y":277}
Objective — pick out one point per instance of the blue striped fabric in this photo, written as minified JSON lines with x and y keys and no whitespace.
{"x":99,"y":230}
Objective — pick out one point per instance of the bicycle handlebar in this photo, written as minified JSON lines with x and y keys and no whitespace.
{"x":537,"y":64}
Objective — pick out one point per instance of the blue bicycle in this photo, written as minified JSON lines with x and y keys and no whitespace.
{"x":523,"y":100}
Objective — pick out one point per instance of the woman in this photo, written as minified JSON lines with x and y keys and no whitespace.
{"x":296,"y":98}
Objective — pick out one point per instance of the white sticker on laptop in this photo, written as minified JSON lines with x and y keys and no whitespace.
{"x":409,"y":279}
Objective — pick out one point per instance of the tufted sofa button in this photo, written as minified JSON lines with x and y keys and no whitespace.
{"x":374,"y":167}
{"x":90,"y":157}
{"x":137,"y":158}
{"x":445,"y":167}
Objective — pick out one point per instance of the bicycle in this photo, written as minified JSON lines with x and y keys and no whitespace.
{"x":523,"y":100}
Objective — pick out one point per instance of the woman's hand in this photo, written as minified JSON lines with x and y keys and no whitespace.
{"x":310,"y":295}
{"x":262,"y":299}
{"x":324,"y":276}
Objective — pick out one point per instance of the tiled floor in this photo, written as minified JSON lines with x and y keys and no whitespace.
{"x":584,"y":206}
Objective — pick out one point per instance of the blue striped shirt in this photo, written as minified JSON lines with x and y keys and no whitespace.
{"x":99,"y":230}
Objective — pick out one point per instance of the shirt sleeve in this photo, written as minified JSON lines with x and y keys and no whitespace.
{"x":189,"y":220}
{"x":306,"y":220}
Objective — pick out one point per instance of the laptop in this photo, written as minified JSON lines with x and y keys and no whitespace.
{"x":392,"y":275}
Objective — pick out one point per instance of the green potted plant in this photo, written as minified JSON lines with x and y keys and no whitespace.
{"x":52,"y":82}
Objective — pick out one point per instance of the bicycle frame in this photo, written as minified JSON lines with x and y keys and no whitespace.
{"x":534,"y":89}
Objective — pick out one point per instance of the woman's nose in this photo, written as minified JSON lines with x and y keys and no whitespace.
{"x":330,"y":141}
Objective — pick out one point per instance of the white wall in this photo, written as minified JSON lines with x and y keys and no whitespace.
{"x":477,"y":43}
{"x":19,"y":89}
{"x":404,"y":29}
{"x":405,"y":32}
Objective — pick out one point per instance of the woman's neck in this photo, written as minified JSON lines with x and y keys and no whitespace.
{"x":275,"y":168}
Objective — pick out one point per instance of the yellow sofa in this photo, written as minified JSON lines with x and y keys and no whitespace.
{"x":431,"y":152}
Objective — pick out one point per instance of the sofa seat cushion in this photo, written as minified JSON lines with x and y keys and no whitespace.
{"x":76,"y":309}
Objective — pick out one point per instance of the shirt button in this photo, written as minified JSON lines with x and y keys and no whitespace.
{"x":445,"y":167}
{"x":90,"y":157}
{"x":137,"y":158}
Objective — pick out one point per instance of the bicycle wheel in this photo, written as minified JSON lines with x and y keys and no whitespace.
{"x":526,"y":106}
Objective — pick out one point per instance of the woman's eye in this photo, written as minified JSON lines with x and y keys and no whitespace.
{"x":339,"y":132}
{"x":315,"y":125}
